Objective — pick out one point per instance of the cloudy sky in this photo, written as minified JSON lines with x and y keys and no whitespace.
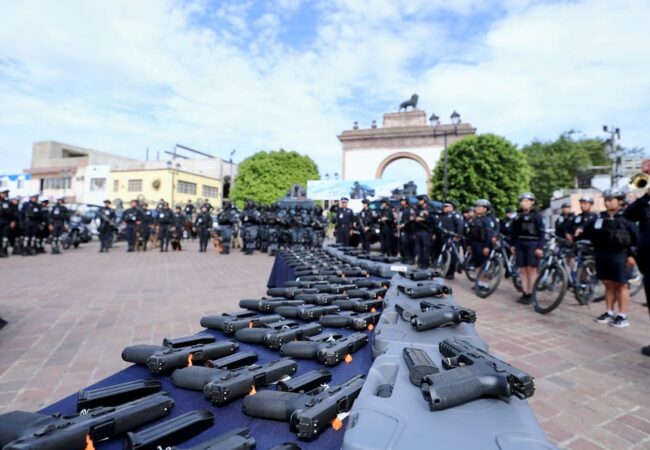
{"x":124,"y":75}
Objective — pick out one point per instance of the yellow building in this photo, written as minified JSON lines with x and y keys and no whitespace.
{"x":174,"y":185}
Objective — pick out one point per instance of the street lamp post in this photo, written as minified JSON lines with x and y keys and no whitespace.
{"x":614,"y":136}
{"x":435,"y":121}
{"x":174,"y":169}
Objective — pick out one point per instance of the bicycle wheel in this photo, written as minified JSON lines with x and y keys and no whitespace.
{"x":549,"y":288}
{"x":586,"y":282}
{"x":489,"y":277}
{"x":470,"y":271}
{"x":442,"y":263}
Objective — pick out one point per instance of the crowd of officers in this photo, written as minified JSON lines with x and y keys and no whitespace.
{"x":620,"y":236}
{"x":27,"y":227}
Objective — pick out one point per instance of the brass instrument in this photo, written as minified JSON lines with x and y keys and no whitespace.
{"x":640,"y":181}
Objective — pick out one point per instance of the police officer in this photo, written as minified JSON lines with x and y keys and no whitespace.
{"x":132,"y":218}
{"x":16,"y":231}
{"x":343,"y":222}
{"x":527,"y":239}
{"x":7,"y":221}
{"x":272,"y":223}
{"x":203,"y":225}
{"x":406,"y":230}
{"x":146,"y":225}
{"x":189,"y":210}
{"x":615,"y":240}
{"x":58,"y":223}
{"x":366,"y":221}
{"x":43,"y":230}
{"x":106,"y":217}
{"x":179,"y":223}
{"x":423,"y":231}
{"x":639,"y":211}
{"x":227,"y":219}
{"x":165,"y":222}
{"x":586,"y":215}
{"x":387,"y":228}
{"x":449,"y":221}
{"x":506,"y":223}
{"x":319,"y":225}
{"x":480,"y":232}
{"x":250,"y":219}
{"x":30,"y":212}
{"x":297,"y":232}
{"x":564,"y":220}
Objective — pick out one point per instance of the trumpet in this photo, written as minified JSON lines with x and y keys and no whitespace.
{"x":640,"y":181}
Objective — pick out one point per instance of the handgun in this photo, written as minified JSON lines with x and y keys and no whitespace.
{"x":327,"y":349}
{"x":306,"y":312}
{"x":355,"y":321}
{"x":228,"y":323}
{"x":431,"y":315}
{"x":276,"y":334}
{"x":160,"y":359}
{"x":268,"y":304}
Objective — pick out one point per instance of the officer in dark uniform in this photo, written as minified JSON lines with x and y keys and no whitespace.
{"x":615,"y":241}
{"x":297,"y":234}
{"x":58,"y":223}
{"x":203,"y":225}
{"x":179,"y":223}
{"x":250,"y":219}
{"x":406,"y":230}
{"x":344,"y":222}
{"x":31,"y":211}
{"x":451,"y":221}
{"x":165,"y":222}
{"x":145,"y":226}
{"x":319,"y":225}
{"x":132,"y":218}
{"x":527,"y":238}
{"x":423,"y":231}
{"x":227,"y":219}
{"x":481,"y":230}
{"x":586,"y":215}
{"x":43,"y":229}
{"x":106,"y":217}
{"x":7,"y":221}
{"x":506,"y":223}
{"x":564,"y":220}
{"x":365,"y":223}
{"x":639,"y":212}
{"x":189,"y":210}
{"x":272,"y":224}
{"x":387,"y":228}
{"x":16,"y":230}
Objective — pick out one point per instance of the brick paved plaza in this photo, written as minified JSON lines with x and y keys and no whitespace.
{"x":71,"y":315}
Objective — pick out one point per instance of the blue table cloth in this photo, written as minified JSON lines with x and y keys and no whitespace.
{"x":280,"y":273}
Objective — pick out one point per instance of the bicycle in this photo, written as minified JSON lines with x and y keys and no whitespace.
{"x":451,"y":251}
{"x":500,"y":264}
{"x":552,"y":281}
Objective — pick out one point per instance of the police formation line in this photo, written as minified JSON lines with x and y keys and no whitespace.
{"x":620,"y":236}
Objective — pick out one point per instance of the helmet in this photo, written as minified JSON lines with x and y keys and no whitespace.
{"x":422,"y":197}
{"x":587,"y":199}
{"x":614,"y":193}
{"x":366,"y":201}
{"x":227,"y":204}
{"x":250,"y":203}
{"x":385,"y":200}
{"x":527,"y":196}
{"x":5,"y":191}
{"x":566,"y":205}
{"x":483,"y":202}
{"x":43,"y":199}
{"x":403,"y":199}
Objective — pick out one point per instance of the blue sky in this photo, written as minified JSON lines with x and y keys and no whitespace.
{"x":216,"y":75}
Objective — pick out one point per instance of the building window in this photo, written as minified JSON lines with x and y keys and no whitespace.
{"x":4,"y":183}
{"x":116,"y":185}
{"x":183,"y":187}
{"x":57,"y":183}
{"x":97,"y":184}
{"x":210,"y":191}
{"x":135,"y":185}
{"x":20,"y":183}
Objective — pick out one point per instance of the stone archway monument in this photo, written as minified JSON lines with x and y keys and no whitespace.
{"x":408,"y":134}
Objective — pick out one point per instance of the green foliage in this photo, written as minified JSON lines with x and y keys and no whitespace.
{"x":483,"y":166}
{"x":267,"y":176}
{"x":557,"y":164}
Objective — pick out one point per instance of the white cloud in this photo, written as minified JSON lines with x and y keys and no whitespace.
{"x":121,"y":78}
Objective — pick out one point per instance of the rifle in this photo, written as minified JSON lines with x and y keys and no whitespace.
{"x":221,"y":386}
{"x":20,"y":430}
{"x":308,"y":414}
{"x":434,"y":315}
{"x":472,"y":373}
{"x":328,"y":349}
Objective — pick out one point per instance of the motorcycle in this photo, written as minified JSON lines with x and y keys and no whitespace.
{"x":76,"y":234}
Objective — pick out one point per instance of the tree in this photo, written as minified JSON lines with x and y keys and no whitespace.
{"x":483,"y":166}
{"x":557,"y":164}
{"x":266,"y":176}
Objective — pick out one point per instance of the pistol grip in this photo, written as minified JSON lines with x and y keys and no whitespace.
{"x":458,"y":386}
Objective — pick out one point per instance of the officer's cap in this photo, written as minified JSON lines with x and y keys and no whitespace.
{"x":385,"y":201}
{"x":403,"y":199}
{"x":422,"y":197}
{"x":33,"y":195}
{"x":5,"y":191}
{"x":60,"y":198}
{"x":587,"y":199}
{"x":527,"y":196}
{"x":482,"y":202}
{"x":107,"y":202}
{"x":43,"y":199}
{"x":344,"y":199}
{"x":449,"y":203}
{"x":566,"y":205}
{"x":614,"y":193}
{"x":366,"y":201}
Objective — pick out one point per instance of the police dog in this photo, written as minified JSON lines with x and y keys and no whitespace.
{"x":176,"y":240}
